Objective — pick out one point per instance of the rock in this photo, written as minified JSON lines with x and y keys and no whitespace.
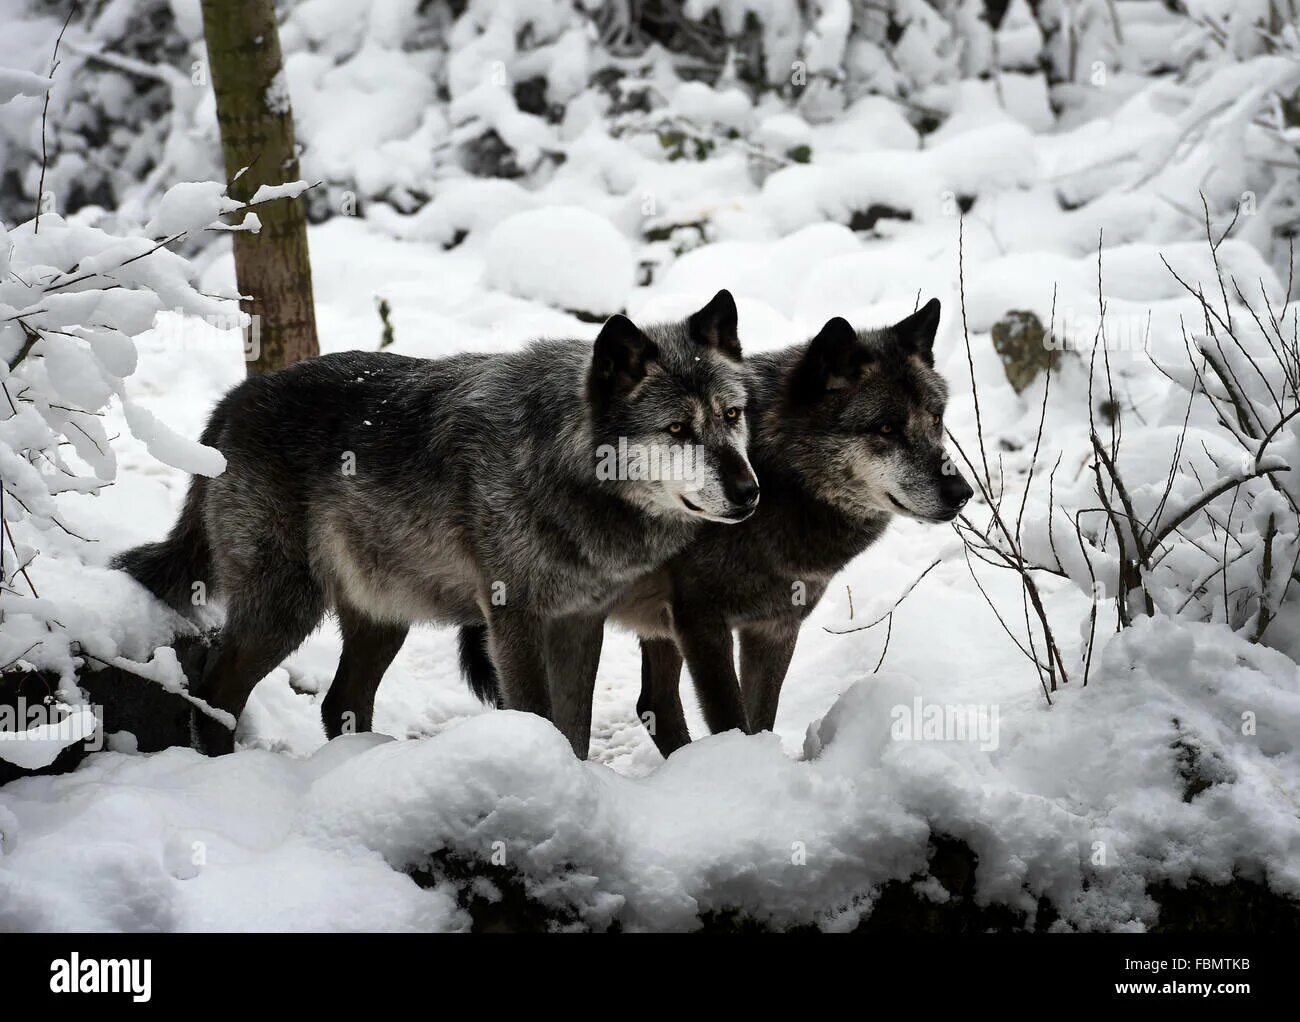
{"x":155,"y":718}
{"x":1023,"y":345}
{"x":866,"y":219}
{"x":941,"y":899}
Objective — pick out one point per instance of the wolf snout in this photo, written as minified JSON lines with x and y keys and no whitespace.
{"x":742,"y":492}
{"x":955,"y":491}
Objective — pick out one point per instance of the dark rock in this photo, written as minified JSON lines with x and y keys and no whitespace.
{"x":1025,"y":348}
{"x":1240,"y":906}
{"x":1237,"y":907}
{"x":494,"y":896}
{"x":26,"y":689}
{"x":530,"y":96}
{"x":126,"y":702}
{"x":489,"y":155}
{"x":866,"y":219}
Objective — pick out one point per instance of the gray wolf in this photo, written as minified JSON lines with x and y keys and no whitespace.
{"x":461,"y":490}
{"x":847,"y":432}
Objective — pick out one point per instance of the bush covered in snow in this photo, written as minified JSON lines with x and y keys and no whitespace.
{"x":1194,"y":515}
{"x":517,"y":91}
{"x":1238,"y":127}
{"x":509,"y":89}
{"x":72,"y":298}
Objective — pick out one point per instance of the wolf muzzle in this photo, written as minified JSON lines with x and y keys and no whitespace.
{"x":955,"y":492}
{"x":739,"y":484}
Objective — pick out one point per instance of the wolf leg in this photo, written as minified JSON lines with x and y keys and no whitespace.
{"x":705,"y":642}
{"x":572,"y":657}
{"x":368,"y":648}
{"x":660,"y":705}
{"x":765,"y":652}
{"x":241,"y":662}
{"x":258,"y":635}
{"x":517,"y":644}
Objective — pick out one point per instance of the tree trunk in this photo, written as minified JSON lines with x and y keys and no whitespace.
{"x":256,"y":124}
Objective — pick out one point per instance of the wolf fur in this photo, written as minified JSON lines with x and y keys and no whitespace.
{"x":847,"y":432}
{"x":461,"y":490}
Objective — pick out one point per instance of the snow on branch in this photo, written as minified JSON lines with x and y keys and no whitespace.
{"x":72,"y":299}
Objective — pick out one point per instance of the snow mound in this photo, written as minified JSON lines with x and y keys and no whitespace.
{"x":1083,"y":803}
{"x":565,"y":256}
{"x":461,"y":207}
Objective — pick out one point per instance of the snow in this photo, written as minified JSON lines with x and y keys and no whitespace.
{"x":564,"y":256}
{"x":36,"y":747}
{"x":727,"y":108}
{"x":462,"y":206}
{"x":277,"y":94}
{"x":189,"y":206}
{"x":319,"y":835}
{"x":1085,"y":802}
{"x":730,"y":821}
{"x":22,"y":83}
{"x":289,"y":190}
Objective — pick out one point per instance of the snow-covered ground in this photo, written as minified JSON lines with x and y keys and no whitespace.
{"x":1085,"y":801}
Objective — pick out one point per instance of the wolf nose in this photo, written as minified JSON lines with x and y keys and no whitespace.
{"x":955,"y":491}
{"x":743,"y":492}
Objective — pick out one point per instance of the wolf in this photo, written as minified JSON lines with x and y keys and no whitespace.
{"x":461,"y":490}
{"x":847,"y":433}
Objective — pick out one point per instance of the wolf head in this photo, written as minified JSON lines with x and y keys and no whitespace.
{"x":668,"y":409}
{"x":867,"y":409}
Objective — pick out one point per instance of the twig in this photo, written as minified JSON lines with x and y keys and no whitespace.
{"x":45,"y":110}
{"x":965,"y":332}
{"x":1266,"y":579}
{"x":906,"y":593}
{"x":889,"y":631}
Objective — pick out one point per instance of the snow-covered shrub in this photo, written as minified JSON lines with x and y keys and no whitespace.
{"x":1237,"y":136}
{"x":130,"y":114}
{"x":523,"y":90}
{"x":1191,"y":510}
{"x":1203,"y":519}
{"x":72,"y":297}
{"x":485,"y":88}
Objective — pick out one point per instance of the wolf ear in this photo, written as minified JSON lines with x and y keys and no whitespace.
{"x":714,"y":326}
{"x":916,"y":333}
{"x":834,"y":360}
{"x":620,"y":358}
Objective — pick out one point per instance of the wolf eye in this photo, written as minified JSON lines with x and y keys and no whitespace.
{"x":885,"y":429}
{"x":937,"y":419}
{"x":731,"y":414}
{"x":675,"y":428}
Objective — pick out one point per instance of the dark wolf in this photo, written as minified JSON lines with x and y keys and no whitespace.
{"x":847,"y":432}
{"x":461,"y":490}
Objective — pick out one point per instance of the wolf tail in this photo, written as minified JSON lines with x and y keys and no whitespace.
{"x":170,"y":568}
{"x":476,"y":665}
